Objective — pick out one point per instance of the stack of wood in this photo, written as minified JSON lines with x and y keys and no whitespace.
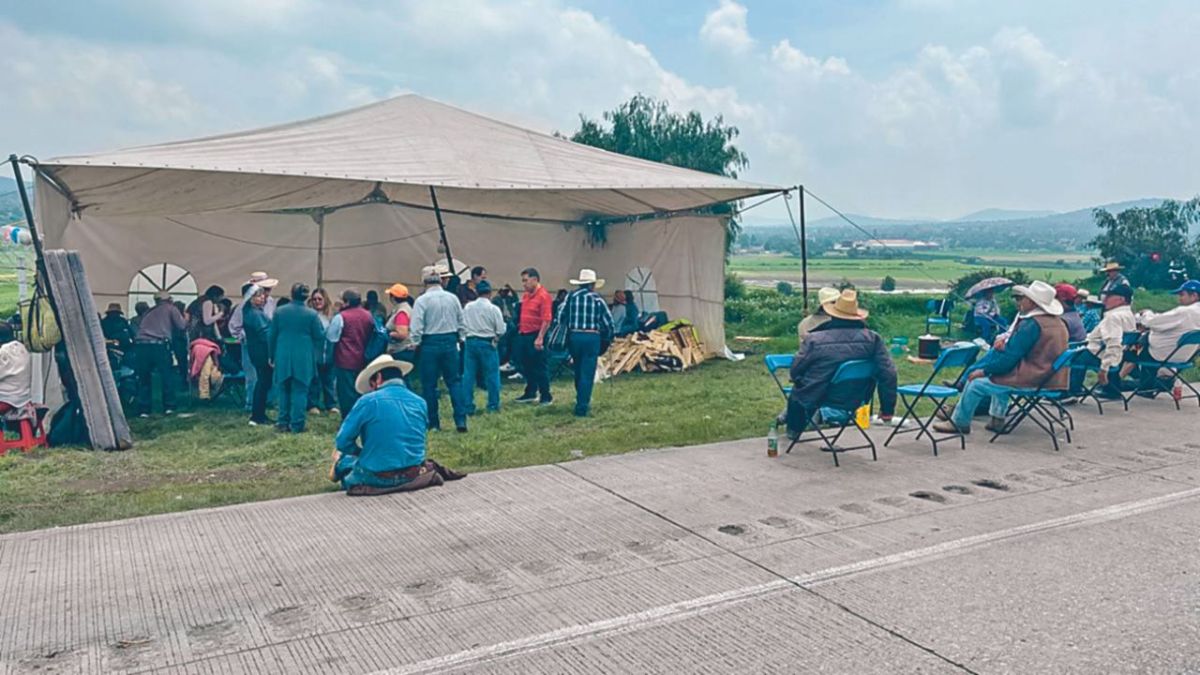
{"x":654,"y":352}
{"x":80,"y":326}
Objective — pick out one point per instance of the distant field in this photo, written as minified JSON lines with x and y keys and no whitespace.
{"x":925,"y":271}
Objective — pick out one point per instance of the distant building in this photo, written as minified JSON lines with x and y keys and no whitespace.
{"x":891,"y":244}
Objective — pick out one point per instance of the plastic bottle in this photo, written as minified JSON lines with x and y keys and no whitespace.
{"x":773,"y":441}
{"x":1177,"y":393}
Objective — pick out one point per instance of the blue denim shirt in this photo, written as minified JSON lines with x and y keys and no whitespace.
{"x":391,"y":422}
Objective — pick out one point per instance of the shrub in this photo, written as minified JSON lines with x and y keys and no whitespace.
{"x":888,"y":284}
{"x":784,"y":288}
{"x":735,"y":288}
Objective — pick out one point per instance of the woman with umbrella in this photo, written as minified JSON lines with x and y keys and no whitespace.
{"x":986,"y":313}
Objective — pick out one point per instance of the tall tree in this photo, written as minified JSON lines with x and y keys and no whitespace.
{"x":1151,"y":243}
{"x":647,"y":128}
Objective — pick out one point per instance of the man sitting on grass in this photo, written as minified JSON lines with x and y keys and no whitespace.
{"x":390,"y":421}
{"x":1024,"y":361}
{"x":845,"y":337}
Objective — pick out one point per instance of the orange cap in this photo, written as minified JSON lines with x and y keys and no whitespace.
{"x":398,"y":291}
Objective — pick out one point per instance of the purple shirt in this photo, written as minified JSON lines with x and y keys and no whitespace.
{"x":160,"y":323}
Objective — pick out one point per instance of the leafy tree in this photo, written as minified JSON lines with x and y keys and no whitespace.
{"x":888,"y":284}
{"x":646,"y":127}
{"x":784,"y":288}
{"x":734,"y":286}
{"x":1149,"y":242}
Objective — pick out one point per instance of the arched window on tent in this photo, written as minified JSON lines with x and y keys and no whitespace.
{"x":161,"y":277}
{"x":640,"y":280}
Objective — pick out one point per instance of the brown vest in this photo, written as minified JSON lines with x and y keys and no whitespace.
{"x":1039,"y":362}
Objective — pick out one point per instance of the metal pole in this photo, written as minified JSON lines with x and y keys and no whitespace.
{"x":319,"y":216}
{"x":803,"y":251}
{"x":33,"y":233}
{"x":442,"y":230}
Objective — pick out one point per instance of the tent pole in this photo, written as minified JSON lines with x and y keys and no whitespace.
{"x":803,"y":251}
{"x":319,"y":217}
{"x":33,"y":232}
{"x":442,"y":230}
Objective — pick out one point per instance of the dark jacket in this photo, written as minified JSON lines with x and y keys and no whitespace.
{"x":258,"y":329}
{"x":1075,"y":330}
{"x":297,"y":340}
{"x":829,"y":346}
{"x":1028,"y":356}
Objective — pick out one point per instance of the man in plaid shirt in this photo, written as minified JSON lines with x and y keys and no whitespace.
{"x":586,"y":317}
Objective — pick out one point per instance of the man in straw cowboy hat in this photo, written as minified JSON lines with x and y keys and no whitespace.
{"x":589,"y":325}
{"x":1025,"y":360}
{"x":1113,"y":278}
{"x":818,"y":318}
{"x":380,"y":447}
{"x":845,"y":337}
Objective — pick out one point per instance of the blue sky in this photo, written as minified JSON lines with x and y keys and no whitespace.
{"x":890,"y":107}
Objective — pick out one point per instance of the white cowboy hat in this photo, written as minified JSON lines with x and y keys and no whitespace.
{"x":827,"y":295}
{"x":262,"y":280}
{"x":587,"y":277}
{"x":362,"y":383}
{"x":846,"y":306}
{"x":1042,"y":294}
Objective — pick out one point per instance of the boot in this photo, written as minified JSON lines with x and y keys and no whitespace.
{"x":944,"y":413}
{"x":948,"y":427}
{"x":996,"y":424}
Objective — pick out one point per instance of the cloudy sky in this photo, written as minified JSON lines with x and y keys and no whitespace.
{"x":899,"y":108}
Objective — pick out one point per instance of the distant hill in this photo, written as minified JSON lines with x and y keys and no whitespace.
{"x":999,"y":215}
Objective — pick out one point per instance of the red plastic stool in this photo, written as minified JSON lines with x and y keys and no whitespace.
{"x":30,"y":433}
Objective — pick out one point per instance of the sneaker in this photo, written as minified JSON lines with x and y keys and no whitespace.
{"x":144,"y":416}
{"x":549,"y":401}
{"x":253,"y":423}
{"x":527,"y":399}
{"x":945,"y":412}
{"x":168,"y":411}
{"x":334,"y":411}
{"x":314,"y":411}
{"x":515,"y":376}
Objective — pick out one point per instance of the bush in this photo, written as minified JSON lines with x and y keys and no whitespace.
{"x":888,"y":284}
{"x":735,"y":288}
{"x":784,"y":288}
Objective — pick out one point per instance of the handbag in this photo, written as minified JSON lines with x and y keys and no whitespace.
{"x":41,"y":332}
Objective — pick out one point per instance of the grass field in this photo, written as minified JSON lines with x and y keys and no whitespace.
{"x":207,"y":455}
{"x":924,"y":270}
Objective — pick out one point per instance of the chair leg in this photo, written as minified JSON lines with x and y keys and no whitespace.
{"x":908,"y":410}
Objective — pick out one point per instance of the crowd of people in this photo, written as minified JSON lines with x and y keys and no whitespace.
{"x":309,"y":354}
{"x":1123,"y":347}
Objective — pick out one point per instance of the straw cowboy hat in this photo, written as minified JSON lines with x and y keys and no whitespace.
{"x":398,"y":291}
{"x":1112,"y":267}
{"x":262,"y":280}
{"x":362,"y":383}
{"x":1042,"y":294}
{"x":827,"y":295}
{"x":846,"y":306}
{"x":587,"y":276}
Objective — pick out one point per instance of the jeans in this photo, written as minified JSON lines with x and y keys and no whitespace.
{"x":585,"y":352}
{"x":155,"y":357}
{"x":321,"y":392}
{"x":347,"y":395}
{"x":974,"y":394}
{"x":251,"y":377}
{"x":532,"y":362}
{"x":293,"y":404}
{"x":262,"y":388}
{"x":439,"y":357}
{"x":481,"y":358}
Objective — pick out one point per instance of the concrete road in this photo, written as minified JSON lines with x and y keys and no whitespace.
{"x":1005,"y":557}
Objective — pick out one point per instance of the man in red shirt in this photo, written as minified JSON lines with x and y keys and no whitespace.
{"x":531,"y":331}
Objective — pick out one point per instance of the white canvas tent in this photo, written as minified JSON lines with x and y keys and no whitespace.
{"x":345,"y":200}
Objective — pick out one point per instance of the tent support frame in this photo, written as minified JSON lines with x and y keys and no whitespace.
{"x":318,"y":216}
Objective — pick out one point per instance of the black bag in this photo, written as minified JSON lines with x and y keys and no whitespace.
{"x":68,"y":427}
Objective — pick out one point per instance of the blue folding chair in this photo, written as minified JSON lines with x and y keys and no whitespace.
{"x":775,"y":363}
{"x":1175,"y":366}
{"x":937,"y":314}
{"x":912,"y":394}
{"x":1042,"y":405}
{"x":1088,"y":362}
{"x":850,"y":373}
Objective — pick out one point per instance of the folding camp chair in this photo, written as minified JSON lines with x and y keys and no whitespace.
{"x":847,"y":374}
{"x":1088,"y":362}
{"x":1175,"y":367}
{"x":937,"y":314}
{"x":777,"y":362}
{"x":912,"y":394}
{"x":1042,"y":405}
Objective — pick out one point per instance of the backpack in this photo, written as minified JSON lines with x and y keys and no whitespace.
{"x":377,"y":344}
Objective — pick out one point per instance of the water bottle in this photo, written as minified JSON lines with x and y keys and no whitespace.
{"x":1177,"y":393}
{"x":773,"y":441}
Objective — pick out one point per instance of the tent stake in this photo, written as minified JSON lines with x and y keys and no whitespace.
{"x":442,"y":230}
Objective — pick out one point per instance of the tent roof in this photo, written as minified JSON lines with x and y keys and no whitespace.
{"x":395,"y":149}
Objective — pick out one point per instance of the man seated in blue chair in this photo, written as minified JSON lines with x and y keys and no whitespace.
{"x":391,"y":423}
{"x":1024,"y":360}
{"x":844,"y":337}
{"x":1164,"y":331}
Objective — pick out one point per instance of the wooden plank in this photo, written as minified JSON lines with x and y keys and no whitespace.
{"x":83,"y":362}
{"x":87,"y":303}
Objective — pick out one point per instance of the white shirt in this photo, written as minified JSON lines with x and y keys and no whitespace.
{"x":16,"y":376}
{"x":482,"y":319}
{"x":1168,"y":327}
{"x":1108,"y":335}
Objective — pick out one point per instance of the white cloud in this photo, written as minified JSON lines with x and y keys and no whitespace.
{"x":793,"y":60}
{"x":725,"y":28}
